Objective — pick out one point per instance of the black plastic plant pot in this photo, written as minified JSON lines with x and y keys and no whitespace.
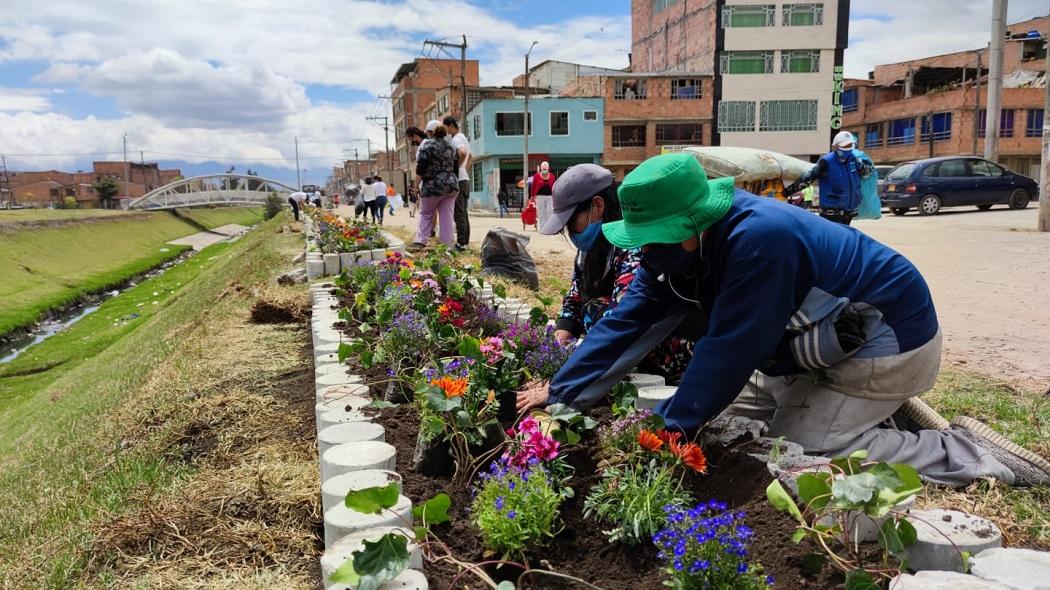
{"x":433,"y":457}
{"x":398,"y":392}
{"x":507,"y":406}
{"x":494,"y":437}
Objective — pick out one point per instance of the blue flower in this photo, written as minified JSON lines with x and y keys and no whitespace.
{"x":741,"y":568}
{"x":769,"y":580}
{"x":512,"y":514}
{"x":499,"y":503}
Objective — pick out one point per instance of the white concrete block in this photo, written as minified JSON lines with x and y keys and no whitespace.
{"x":331,"y":368}
{"x":356,"y":456}
{"x":788,"y":469}
{"x":326,"y":359}
{"x":378,"y":254}
{"x":937,"y":531}
{"x":334,"y":489}
{"x":346,"y":260}
{"x":331,"y":264}
{"x":362,"y":257}
{"x":936,"y":580}
{"x":326,"y":347}
{"x":649,"y":397}
{"x":762,"y":449}
{"x":337,"y":392}
{"x":863,"y":528}
{"x":1018,"y":569}
{"x":340,"y":521}
{"x":336,"y":379}
{"x":314,"y":269}
{"x":348,"y":432}
{"x":343,"y":549}
{"x":354,"y":403}
{"x":329,"y":335}
{"x":331,"y":418}
{"x":641,"y":380}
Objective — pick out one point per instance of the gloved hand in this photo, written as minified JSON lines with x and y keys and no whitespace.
{"x":793,"y":188}
{"x":849,"y":328}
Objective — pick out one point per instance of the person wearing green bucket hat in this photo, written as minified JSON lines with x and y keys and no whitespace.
{"x":810,"y":326}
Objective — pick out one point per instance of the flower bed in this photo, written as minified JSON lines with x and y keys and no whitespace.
{"x":551,"y":502}
{"x":336,"y":235}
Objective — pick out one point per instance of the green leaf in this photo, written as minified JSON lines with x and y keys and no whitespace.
{"x":364,"y":328}
{"x":505,"y":585}
{"x":345,"y":574}
{"x":381,"y":561}
{"x":849,"y":465}
{"x":813,"y":490}
{"x":463,"y":419}
{"x":439,"y":403}
{"x":799,"y":534}
{"x":499,"y":290}
{"x":860,"y":580}
{"x":372,"y":500}
{"x":885,"y":476}
{"x":470,"y":347}
{"x":566,"y":436}
{"x":855,"y":489}
{"x":814,"y":562}
{"x":890,"y":539}
{"x":434,"y":510}
{"x":562,"y":412}
{"x":781,"y":500}
{"x":907,"y":532}
{"x":404,"y":274}
{"x":380,"y":404}
{"x":345,"y":350}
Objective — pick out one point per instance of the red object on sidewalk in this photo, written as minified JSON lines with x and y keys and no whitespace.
{"x":528,"y":215}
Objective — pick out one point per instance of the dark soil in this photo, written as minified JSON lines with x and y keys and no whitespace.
{"x":580,"y":549}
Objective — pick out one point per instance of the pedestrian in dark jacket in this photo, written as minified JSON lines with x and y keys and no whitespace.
{"x":817,"y":330}
{"x":839,"y":172}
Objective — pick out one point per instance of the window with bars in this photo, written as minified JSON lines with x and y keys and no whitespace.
{"x":873,"y":135}
{"x":559,"y":123}
{"x":443,"y":104}
{"x":477,"y":181}
{"x":477,"y":126}
{"x":787,"y":115}
{"x":850,"y":100}
{"x":746,"y":62}
{"x":1034,"y":125}
{"x":736,"y":115}
{"x":590,"y":115}
{"x":1006,"y":123}
{"x":629,"y":89}
{"x":803,"y":15}
{"x":685,"y":89}
{"x":510,"y":124}
{"x":628,"y":136}
{"x":800,"y":61}
{"x":662,"y":5}
{"x":679,"y":134}
{"x":901,"y":132}
{"x":754,"y":15}
{"x":941,"y":127}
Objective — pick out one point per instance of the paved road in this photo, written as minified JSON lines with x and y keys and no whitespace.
{"x":989,"y":272}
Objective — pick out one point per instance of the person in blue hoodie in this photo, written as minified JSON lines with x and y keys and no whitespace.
{"x":814,"y":328}
{"x":839,"y":172}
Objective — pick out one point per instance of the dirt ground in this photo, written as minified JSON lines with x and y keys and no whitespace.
{"x":989,"y":272}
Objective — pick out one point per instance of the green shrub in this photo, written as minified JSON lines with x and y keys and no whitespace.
{"x":515,"y":509}
{"x":632,"y":498}
{"x":273,"y":206}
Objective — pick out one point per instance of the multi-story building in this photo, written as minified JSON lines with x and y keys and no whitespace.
{"x":554,"y":76}
{"x":51,"y":187}
{"x":646,"y":114}
{"x":776,"y":66}
{"x":413,"y":89}
{"x":562,"y":131}
{"x":935,"y":106}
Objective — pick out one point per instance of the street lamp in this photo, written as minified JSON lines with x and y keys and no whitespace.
{"x":525,"y":125}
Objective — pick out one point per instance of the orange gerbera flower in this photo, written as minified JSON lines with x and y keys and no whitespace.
{"x":451,"y":387}
{"x":691,"y":455}
{"x":649,"y":441}
{"x":491,"y":397}
{"x":669,"y":437}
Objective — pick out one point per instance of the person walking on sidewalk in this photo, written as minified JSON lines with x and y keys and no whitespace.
{"x":502,"y":200}
{"x":368,"y":193}
{"x":817,"y":330}
{"x":542,"y":189}
{"x":459,"y":141}
{"x":379,"y":205}
{"x":839,"y":172}
{"x":436,"y":166}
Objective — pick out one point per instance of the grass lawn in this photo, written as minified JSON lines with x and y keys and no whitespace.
{"x":16,"y":215}
{"x":113,"y":417}
{"x":46,"y":267}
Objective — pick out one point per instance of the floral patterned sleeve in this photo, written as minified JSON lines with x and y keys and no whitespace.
{"x":625,"y":262}
{"x":571,"y":316}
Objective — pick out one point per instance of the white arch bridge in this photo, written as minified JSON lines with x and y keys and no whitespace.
{"x":212,"y":190}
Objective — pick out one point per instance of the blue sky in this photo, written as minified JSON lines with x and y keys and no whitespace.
{"x":234,"y":82}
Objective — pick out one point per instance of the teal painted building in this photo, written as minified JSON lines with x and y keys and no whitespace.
{"x":565,"y":131}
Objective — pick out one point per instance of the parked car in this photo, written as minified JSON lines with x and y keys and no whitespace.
{"x":932,"y":184}
{"x":881,"y":171}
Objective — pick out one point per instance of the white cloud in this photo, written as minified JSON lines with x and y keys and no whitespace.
{"x":22,"y":99}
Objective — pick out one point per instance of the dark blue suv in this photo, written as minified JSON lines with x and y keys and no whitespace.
{"x":929,"y":185}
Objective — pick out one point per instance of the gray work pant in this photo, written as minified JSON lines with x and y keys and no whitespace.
{"x":830,"y":423}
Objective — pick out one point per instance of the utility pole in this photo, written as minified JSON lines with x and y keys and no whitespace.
{"x":142,"y":159}
{"x":462,"y":68}
{"x":525,"y":125}
{"x":1043,"y":223}
{"x":386,"y":136}
{"x":298,"y":176}
{"x":977,"y":104}
{"x":995,"y":81}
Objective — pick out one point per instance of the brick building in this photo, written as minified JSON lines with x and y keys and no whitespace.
{"x":673,"y":35}
{"x":931,"y":106}
{"x":51,"y":187}
{"x":646,"y":114}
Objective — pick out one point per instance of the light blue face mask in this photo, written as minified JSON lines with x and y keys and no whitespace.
{"x":842,"y":154}
{"x":588,"y":238}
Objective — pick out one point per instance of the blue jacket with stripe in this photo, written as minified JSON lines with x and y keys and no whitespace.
{"x":769,"y":272}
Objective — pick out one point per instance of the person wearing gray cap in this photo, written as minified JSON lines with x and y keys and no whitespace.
{"x":584,"y":198}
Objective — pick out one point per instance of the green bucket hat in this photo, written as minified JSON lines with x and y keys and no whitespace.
{"x":666,"y":200}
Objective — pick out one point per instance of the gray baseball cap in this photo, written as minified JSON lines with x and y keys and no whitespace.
{"x":578,"y":184}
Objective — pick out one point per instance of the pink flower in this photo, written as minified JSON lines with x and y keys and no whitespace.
{"x":528,"y":425}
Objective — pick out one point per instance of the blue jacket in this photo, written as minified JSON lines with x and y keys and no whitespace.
{"x":840,"y":186}
{"x":768,"y":270}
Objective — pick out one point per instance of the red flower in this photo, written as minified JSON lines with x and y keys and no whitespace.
{"x":649,"y":441}
{"x":691,"y":455}
{"x":669,"y":437}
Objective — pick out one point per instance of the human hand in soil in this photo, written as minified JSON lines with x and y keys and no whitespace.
{"x":532,"y":395}
{"x":563,"y":337}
